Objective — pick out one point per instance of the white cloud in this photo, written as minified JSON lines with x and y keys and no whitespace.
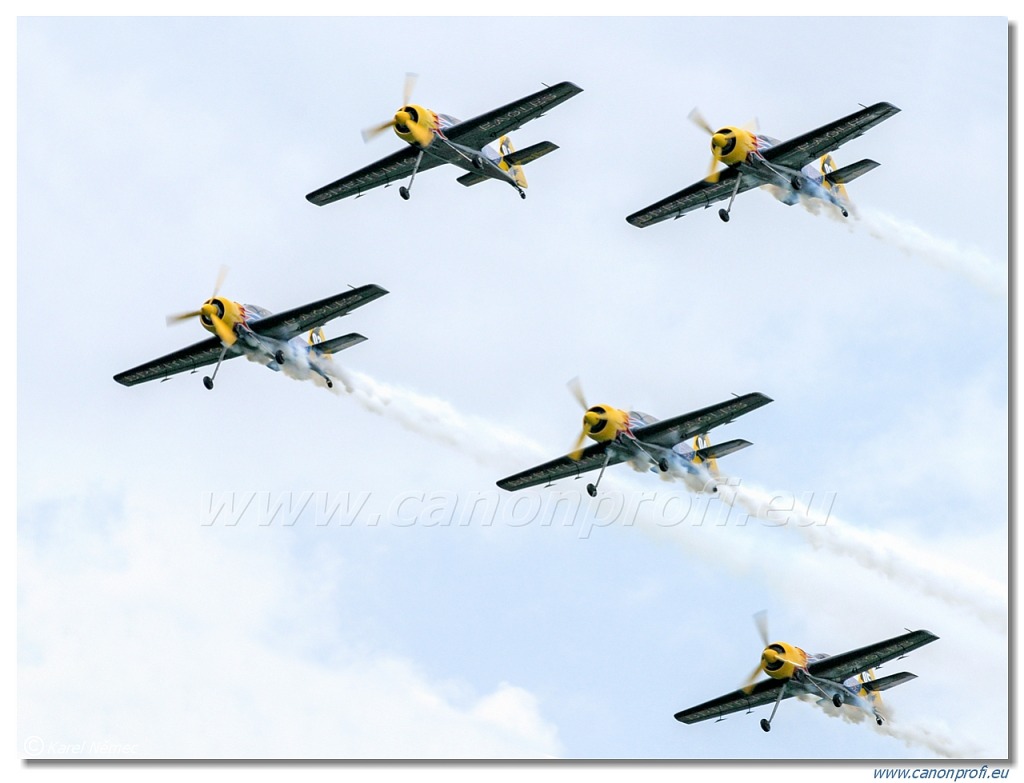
{"x":146,"y":637}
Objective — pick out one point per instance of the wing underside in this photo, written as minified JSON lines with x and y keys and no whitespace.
{"x":480,"y":131}
{"x":801,"y":150}
{"x":699,"y":195}
{"x":591,"y":459}
{"x":289,"y":323}
{"x":393,"y":168}
{"x":187,"y":359}
{"x":765,"y":692}
{"x":669,"y":432}
{"x":849,"y":664}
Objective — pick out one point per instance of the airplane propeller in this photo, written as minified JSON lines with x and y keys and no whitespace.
{"x":698,"y":119}
{"x":405,"y":118}
{"x":576,"y":389}
{"x":768,"y":655}
{"x":211,"y":311}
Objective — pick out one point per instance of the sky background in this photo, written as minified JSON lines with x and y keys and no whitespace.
{"x":152,"y":151}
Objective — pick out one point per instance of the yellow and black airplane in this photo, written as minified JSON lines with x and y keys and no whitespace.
{"x":844,"y":679}
{"x":270,"y":339}
{"x":435,"y":138}
{"x":799,"y":167}
{"x":645,"y":442}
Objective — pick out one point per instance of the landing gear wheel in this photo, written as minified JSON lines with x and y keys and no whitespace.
{"x":878,"y":721}
{"x":207,"y":381}
{"x":837,"y":700}
{"x":404,"y":192}
{"x":765,"y":725}
{"x":724,"y":215}
{"x":845,"y":213}
{"x":279,"y":357}
{"x":663,"y":465}
{"x":477,"y":163}
{"x":797,"y":183}
{"x":330,"y":384}
{"x":592,"y":490}
{"x":522,"y":194}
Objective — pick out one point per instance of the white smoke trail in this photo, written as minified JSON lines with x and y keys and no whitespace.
{"x":932,"y":735}
{"x":900,"y":560}
{"x":885,"y":553}
{"x":944,"y":254}
{"x":436,"y":419}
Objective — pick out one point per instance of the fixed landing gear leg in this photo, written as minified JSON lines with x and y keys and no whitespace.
{"x":592,"y":488}
{"x":724,"y":213}
{"x":767,"y":724}
{"x":404,"y":191}
{"x":208,"y":379}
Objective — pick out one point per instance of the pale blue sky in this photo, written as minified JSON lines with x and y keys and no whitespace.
{"x":152,"y":151}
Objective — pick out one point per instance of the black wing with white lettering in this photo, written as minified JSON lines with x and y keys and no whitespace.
{"x":288,"y":324}
{"x":801,"y":150}
{"x":849,"y":664}
{"x":187,"y":359}
{"x":482,"y":130}
{"x":699,"y":195}
{"x":670,"y":432}
{"x":393,"y":168}
{"x":765,"y":692}
{"x":591,"y":459}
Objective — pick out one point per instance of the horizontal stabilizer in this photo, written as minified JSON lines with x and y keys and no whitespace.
{"x":336,"y":344}
{"x":471,"y":179}
{"x":530,"y":154}
{"x":891,"y":681}
{"x":849,"y":173}
{"x":721,"y":449}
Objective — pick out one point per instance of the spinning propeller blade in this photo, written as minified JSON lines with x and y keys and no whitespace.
{"x":698,"y":119}
{"x":220,"y":326}
{"x":576,"y":389}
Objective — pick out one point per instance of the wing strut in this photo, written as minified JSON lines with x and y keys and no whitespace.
{"x":404,"y":191}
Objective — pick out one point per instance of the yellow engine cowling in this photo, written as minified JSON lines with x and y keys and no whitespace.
{"x":416,"y":125}
{"x":229,"y":313}
{"x":732,"y":145}
{"x":602,"y":422}
{"x":781,"y":660}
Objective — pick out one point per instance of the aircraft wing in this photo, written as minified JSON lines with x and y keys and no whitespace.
{"x":764,"y":692}
{"x":395,"y":167}
{"x":669,"y":432}
{"x":481,"y":131}
{"x":288,"y":324}
{"x":591,"y":459}
{"x":699,"y":195}
{"x":801,"y":150}
{"x":191,"y":358}
{"x":849,"y":664}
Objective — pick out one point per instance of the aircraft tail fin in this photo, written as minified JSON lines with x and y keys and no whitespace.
{"x":335,"y":344}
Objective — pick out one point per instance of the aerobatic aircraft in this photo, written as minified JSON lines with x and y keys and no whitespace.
{"x":644,"y":442}
{"x":271,"y":339}
{"x":799,"y":167}
{"x":435,"y":138}
{"x":844,"y":679}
